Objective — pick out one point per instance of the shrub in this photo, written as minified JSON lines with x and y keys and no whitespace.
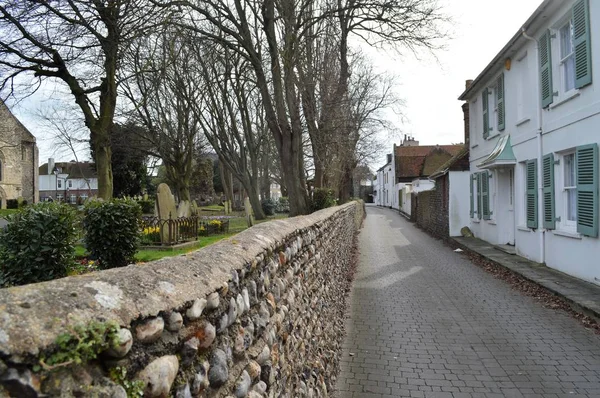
{"x":37,"y":244}
{"x":112,"y":231}
{"x":147,"y":206}
{"x":283,"y":205}
{"x":268,"y":206}
{"x":322,"y":198}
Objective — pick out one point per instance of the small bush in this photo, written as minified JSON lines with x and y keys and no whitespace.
{"x":12,"y":204}
{"x":147,"y":206}
{"x":269,"y":206}
{"x":283,"y":205}
{"x":37,"y":244}
{"x":322,"y":198}
{"x":112,"y":231}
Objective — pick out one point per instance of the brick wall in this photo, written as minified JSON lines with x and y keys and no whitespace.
{"x":430,"y":208}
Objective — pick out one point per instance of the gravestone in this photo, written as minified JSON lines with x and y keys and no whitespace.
{"x":194,"y":210}
{"x":249,"y":215}
{"x":165,"y":209}
{"x":184,"y":209}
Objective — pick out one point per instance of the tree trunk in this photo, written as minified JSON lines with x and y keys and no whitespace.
{"x":293,"y":176}
{"x":183,"y":191}
{"x":252,"y":193}
{"x":227,"y":182}
{"x":103,"y":153}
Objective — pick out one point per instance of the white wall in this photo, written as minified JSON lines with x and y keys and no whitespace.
{"x":48,"y":182}
{"x":422,"y":185}
{"x":407,"y":203}
{"x":458,"y":211}
{"x":82,"y":183}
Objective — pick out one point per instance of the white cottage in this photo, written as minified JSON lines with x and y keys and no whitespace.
{"x":534,"y":135}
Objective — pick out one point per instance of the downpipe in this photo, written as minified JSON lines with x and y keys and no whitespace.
{"x":539,"y":157}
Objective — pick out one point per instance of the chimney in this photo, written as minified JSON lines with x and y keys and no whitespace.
{"x":468,"y":83}
{"x":389,"y":158}
{"x":50,"y":165}
{"x":411,"y":142}
{"x":465,"y":108}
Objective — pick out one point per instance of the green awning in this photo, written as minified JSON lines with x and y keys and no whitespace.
{"x":502,"y":155}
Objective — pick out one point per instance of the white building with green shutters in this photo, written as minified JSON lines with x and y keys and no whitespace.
{"x":534,"y":133}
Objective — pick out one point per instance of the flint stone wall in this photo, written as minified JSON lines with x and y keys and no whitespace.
{"x":256,"y":315}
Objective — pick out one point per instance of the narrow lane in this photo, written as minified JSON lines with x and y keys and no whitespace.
{"x":424,"y":321}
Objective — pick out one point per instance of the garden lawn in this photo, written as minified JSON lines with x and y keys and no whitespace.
{"x":236,"y":225}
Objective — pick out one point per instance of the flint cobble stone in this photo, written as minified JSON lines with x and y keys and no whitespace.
{"x":425,"y":322}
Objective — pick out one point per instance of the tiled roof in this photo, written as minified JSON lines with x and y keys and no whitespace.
{"x":421,"y":161}
{"x":454,"y":162}
{"x":73,"y":169}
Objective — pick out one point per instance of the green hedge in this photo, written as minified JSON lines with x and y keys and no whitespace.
{"x":322,"y":198}
{"x":112,"y":231}
{"x":37,"y":244}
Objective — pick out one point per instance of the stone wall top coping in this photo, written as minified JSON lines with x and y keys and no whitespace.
{"x":32,"y":316}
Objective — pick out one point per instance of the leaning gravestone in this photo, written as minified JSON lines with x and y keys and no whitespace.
{"x":249,"y":216}
{"x":165,"y":209}
{"x":184,"y":209}
{"x":194,"y":210}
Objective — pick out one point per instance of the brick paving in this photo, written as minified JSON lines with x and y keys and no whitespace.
{"x":425,"y":322}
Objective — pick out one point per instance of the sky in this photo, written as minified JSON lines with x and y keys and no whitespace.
{"x":428,"y":85}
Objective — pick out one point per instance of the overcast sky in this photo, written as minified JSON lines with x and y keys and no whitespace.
{"x":429,"y":87}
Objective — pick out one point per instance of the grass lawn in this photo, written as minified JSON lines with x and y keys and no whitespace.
{"x":6,"y":212}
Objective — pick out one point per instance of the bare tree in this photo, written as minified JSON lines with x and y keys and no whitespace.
{"x":277,"y":38}
{"x":231,"y":115}
{"x":79,"y":43}
{"x":163,"y":97}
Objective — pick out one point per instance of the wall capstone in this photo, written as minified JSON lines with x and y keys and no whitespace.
{"x":259,"y":314}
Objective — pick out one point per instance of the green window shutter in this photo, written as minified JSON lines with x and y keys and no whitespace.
{"x":485,"y":100}
{"x":545,"y":55}
{"x":500,"y":101}
{"x":485,"y":195}
{"x":582,"y":43}
{"x":587,"y":190}
{"x":548,"y":185}
{"x":472,"y":204}
{"x":531,"y":195}
{"x":479,"y":206}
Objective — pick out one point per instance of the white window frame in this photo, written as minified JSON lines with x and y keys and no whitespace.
{"x":58,"y":183}
{"x":568,"y":58}
{"x":475,"y":198}
{"x":70,"y":182}
{"x":558,"y":62}
{"x":59,"y":197}
{"x":566,"y":224}
{"x":73,"y":199}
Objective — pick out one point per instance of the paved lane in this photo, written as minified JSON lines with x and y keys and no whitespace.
{"x":425,"y":322}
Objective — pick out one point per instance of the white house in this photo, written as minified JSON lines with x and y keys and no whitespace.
{"x":384,"y":184}
{"x":413,"y":164}
{"x":534,"y":120}
{"x":73,"y":182}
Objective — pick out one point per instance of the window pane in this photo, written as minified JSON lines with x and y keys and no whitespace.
{"x":566,"y":43}
{"x":572,"y":204}
{"x":569,"y":73}
{"x":570,"y":170}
